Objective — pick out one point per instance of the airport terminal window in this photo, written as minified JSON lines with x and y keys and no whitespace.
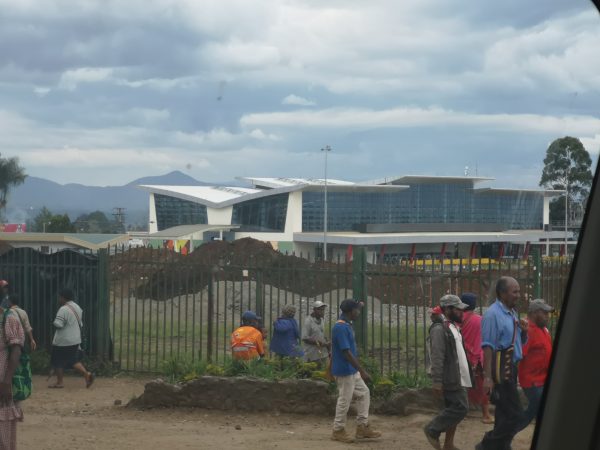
{"x":172,"y":211}
{"x":266,"y":214}
{"x":423,"y":203}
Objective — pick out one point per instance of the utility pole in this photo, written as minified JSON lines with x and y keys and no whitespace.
{"x":119,"y":215}
{"x":325,"y":150}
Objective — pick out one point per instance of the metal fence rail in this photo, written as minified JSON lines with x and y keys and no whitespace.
{"x":36,"y":278}
{"x":148,"y":306}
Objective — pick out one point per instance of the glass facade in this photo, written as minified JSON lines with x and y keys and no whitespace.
{"x":172,"y":211}
{"x":423,"y":203}
{"x":266,"y":214}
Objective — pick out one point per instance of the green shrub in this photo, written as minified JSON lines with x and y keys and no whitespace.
{"x":403,"y":381}
{"x":183,"y":369}
{"x":384,"y":388}
{"x":40,"y":362}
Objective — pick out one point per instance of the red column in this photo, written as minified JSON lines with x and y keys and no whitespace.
{"x":501,"y":251}
{"x":443,"y":251}
{"x":413,"y":253}
{"x":526,"y":251}
{"x":349,"y":253}
{"x":473,"y":250}
{"x":382,"y":252}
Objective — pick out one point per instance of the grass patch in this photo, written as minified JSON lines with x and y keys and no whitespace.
{"x":186,"y":369}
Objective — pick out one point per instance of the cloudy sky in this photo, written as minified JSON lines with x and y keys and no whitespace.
{"x":103,"y":92}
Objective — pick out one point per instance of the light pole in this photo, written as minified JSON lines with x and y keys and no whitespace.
{"x":325,"y":150}
{"x":44,"y":225}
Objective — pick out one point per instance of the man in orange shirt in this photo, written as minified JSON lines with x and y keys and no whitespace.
{"x":533,"y":368}
{"x":247,"y":342}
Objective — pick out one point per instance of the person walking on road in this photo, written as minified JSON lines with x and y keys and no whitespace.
{"x":503,"y":336}
{"x":471,"y":331}
{"x":316,"y":346}
{"x":30,"y":344}
{"x":537,"y":352}
{"x":12,"y":339}
{"x":350,"y":377}
{"x":450,"y":373}
{"x":66,"y":345}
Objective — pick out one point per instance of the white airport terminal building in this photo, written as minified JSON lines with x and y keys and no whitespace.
{"x":393,"y":218}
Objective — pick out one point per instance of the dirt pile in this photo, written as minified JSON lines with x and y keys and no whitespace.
{"x":240,"y":394}
{"x":286,"y":396}
{"x":162,"y":274}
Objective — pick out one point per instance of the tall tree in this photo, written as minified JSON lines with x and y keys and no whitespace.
{"x":567,"y":166}
{"x":51,"y":223}
{"x":11,"y":175}
{"x":97,"y":222}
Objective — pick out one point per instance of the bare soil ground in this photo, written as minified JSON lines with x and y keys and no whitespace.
{"x":76,"y":417}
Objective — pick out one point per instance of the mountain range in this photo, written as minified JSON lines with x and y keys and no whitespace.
{"x":26,"y":200}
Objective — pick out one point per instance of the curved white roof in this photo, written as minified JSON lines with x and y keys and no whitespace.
{"x":222,"y":196}
{"x":274,"y":183}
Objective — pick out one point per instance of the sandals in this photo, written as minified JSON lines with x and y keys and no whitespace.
{"x":89,"y":380}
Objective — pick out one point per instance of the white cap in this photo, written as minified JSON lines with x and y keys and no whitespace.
{"x":318,"y":304}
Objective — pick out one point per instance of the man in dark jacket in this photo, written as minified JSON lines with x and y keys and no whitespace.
{"x":450,"y":373}
{"x":285,"y":342}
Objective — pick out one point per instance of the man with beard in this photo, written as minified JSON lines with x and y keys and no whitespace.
{"x":450,"y":373}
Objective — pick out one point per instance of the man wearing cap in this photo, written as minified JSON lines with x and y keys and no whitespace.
{"x":450,"y":373}
{"x":349,"y":376}
{"x":316,"y":347}
{"x":533,"y":368}
{"x":247,"y":340}
{"x":502,"y":339}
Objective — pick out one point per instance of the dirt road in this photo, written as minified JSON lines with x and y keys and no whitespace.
{"x":88,"y":419}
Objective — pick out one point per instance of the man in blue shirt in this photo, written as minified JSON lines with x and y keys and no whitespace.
{"x":502,"y":339}
{"x":349,"y":376}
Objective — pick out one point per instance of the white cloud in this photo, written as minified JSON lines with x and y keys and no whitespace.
{"x":108,"y":157}
{"x":297,"y":100}
{"x":367,"y":119}
{"x":148,"y":115}
{"x":262,"y":136}
{"x":41,"y":91}
{"x":592,"y":144}
{"x":70,"y":79}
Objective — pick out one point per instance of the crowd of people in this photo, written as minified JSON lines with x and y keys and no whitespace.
{"x":16,"y":339}
{"x":477,"y":360}
{"x":474,"y":361}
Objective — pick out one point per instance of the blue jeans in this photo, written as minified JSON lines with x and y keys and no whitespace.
{"x":534,"y":397}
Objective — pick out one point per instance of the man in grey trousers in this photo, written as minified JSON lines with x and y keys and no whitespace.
{"x":450,"y":372}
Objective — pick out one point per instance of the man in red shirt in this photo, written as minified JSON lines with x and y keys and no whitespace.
{"x":536,"y":357}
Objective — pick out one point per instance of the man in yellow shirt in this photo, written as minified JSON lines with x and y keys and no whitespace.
{"x":247,"y":341}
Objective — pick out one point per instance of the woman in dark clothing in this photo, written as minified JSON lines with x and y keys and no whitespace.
{"x":285,"y":341}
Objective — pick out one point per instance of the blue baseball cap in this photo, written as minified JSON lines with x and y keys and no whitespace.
{"x":250,"y":315}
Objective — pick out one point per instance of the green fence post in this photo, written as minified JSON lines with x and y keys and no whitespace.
{"x":103,"y":331}
{"x":259,"y":294}
{"x":359,"y":289}
{"x":537,"y":274}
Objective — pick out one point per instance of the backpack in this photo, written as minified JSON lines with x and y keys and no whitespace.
{"x":21,"y":381}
